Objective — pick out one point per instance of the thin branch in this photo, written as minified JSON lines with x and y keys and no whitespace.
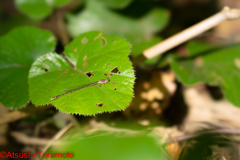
{"x":16,"y":115}
{"x":225,"y":14}
{"x":225,"y":131}
{"x":57,"y":136}
{"x":22,"y":138}
{"x":70,"y":63}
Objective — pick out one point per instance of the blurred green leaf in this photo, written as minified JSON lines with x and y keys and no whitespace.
{"x":18,"y":49}
{"x":220,"y":67}
{"x":197,"y":47}
{"x":58,"y":3}
{"x":193,"y":48}
{"x":95,"y":57}
{"x":137,"y":48}
{"x":12,"y":22}
{"x":35,"y":9}
{"x":168,"y":59}
{"x":104,"y":146}
{"x":115,"y":3}
{"x":97,"y":17}
{"x":39,"y":9}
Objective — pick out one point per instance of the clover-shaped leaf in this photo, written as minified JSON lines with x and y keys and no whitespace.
{"x":220,"y":67}
{"x":94,"y":57}
{"x":18,"y":49}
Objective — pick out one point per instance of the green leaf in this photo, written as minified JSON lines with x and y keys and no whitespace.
{"x":115,"y":3}
{"x":18,"y":49}
{"x":108,"y":146}
{"x":197,"y":47}
{"x":137,"y":48}
{"x":97,"y":17}
{"x":92,"y":54}
{"x":221,"y":67}
{"x":35,"y":9}
{"x":58,"y":3}
{"x":168,"y":59}
{"x":39,"y":9}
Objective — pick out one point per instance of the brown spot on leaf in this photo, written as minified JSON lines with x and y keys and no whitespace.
{"x":72,"y":74}
{"x":84,"y":40}
{"x":100,"y":104}
{"x":109,"y":64}
{"x":59,"y":70}
{"x":100,"y":85}
{"x":85,"y":63}
{"x":64,"y":73}
{"x":75,"y":50}
{"x":84,"y":68}
{"x":237,"y":63}
{"x":67,"y":70}
{"x":198,"y":62}
{"x":103,"y":41}
{"x":65,"y":107}
{"x":115,"y":89}
{"x":114,"y":42}
{"x":105,"y":74}
{"x":85,"y":58}
{"x":113,"y":83}
{"x":110,"y":75}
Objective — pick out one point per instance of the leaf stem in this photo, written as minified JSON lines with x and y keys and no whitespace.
{"x":70,"y":63}
{"x":185,"y":35}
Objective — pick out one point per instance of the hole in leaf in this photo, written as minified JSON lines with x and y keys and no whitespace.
{"x":84,"y":40}
{"x":109,"y":64}
{"x":89,"y":74}
{"x":113,"y":83}
{"x":100,"y":104}
{"x":85,"y":58}
{"x":115,"y":89}
{"x":45,"y":69}
{"x":116,"y":71}
{"x":103,"y":41}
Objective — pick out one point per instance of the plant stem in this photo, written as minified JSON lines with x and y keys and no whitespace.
{"x":185,"y":35}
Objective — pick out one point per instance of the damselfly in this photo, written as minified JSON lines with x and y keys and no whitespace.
{"x":68,"y":91}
